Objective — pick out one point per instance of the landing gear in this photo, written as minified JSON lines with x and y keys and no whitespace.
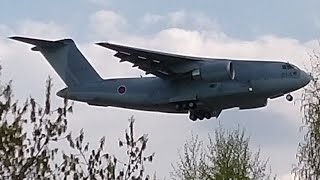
{"x":195,"y":110}
{"x":207,"y":115}
{"x":192,"y":117}
{"x":289,"y":97}
{"x":199,"y":114}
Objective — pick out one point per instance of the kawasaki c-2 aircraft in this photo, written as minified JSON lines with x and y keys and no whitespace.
{"x":200,"y":87}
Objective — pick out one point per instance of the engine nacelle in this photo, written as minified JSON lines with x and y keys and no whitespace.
{"x":215,"y":72}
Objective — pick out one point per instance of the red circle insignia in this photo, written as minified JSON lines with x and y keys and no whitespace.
{"x":122,"y":89}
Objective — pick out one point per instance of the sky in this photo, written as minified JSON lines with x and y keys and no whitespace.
{"x":285,"y":30}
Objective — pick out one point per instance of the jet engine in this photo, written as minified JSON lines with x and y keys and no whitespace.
{"x":215,"y":72}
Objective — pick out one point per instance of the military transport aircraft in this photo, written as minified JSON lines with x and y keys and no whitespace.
{"x":202,"y":87}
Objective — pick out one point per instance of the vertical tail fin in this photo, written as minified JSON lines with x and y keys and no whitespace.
{"x":66,"y":59}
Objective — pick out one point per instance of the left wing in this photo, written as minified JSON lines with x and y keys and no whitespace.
{"x":163,"y":65}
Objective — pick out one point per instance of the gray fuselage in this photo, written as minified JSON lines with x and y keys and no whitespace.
{"x":254,"y":83}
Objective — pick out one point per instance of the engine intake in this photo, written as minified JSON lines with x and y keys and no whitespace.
{"x":215,"y":72}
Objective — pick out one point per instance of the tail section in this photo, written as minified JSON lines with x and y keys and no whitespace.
{"x":66,"y":59}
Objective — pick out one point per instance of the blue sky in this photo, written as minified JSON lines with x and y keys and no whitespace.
{"x":286,"y":29}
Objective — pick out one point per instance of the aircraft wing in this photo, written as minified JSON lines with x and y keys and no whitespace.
{"x":163,"y":65}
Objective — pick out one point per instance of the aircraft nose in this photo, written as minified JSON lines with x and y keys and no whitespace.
{"x":305,"y":78}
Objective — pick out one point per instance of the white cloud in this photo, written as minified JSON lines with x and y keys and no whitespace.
{"x":48,"y":30}
{"x":181,"y":19}
{"x":152,"y":18}
{"x":4,"y":48}
{"x":107,"y":24}
{"x":316,"y":22}
{"x":25,"y":67}
{"x":4,"y":29}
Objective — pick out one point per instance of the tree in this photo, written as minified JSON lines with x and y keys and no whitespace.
{"x":227,"y":156}
{"x":30,"y":137}
{"x":308,"y":154}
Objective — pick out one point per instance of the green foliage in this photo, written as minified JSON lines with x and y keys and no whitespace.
{"x":227,"y":156}
{"x":25,"y":135}
{"x":308,"y":154}
{"x":191,"y":164}
{"x":30,"y":136}
{"x":98,"y":164}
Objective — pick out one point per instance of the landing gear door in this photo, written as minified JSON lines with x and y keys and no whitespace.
{"x":184,"y":98}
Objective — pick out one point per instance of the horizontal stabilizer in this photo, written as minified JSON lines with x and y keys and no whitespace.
{"x":39,"y":42}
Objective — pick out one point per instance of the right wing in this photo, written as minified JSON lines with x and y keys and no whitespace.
{"x":163,"y":65}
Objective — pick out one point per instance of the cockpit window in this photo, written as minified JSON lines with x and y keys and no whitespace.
{"x":284,"y":67}
{"x":295,"y":67}
{"x":289,"y":66}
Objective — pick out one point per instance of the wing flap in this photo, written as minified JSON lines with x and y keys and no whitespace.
{"x":121,"y":55}
{"x":183,"y":98}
